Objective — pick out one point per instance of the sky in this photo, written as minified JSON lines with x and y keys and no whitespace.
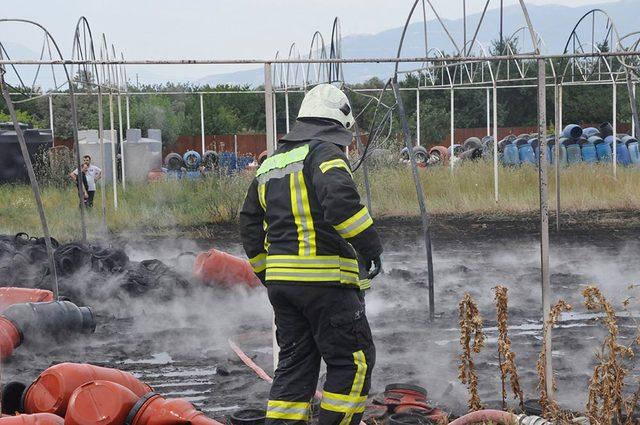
{"x":162,"y":29}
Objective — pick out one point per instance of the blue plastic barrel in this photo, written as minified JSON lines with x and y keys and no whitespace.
{"x":589,"y":153}
{"x":590,"y":132}
{"x":621,"y":151}
{"x":572,"y":131}
{"x":603,"y":150}
{"x":563,"y":154}
{"x":574,"y":154}
{"x":510,"y":156}
{"x":526,"y":154}
{"x":634,"y":152}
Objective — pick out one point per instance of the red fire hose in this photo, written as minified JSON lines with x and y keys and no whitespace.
{"x":495,"y":416}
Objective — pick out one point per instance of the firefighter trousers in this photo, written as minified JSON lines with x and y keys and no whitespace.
{"x":314,"y":323}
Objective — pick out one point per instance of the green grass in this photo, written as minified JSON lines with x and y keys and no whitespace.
{"x":170,"y":206}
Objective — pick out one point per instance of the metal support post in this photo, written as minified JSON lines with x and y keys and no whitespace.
{"x":34,"y":182}
{"x":122,"y":159}
{"x":488,"y":113}
{"x":418,"y":117}
{"x":202,"y":147}
{"x":421,"y":198}
{"x":556,"y":148}
{"x":631,"y":88}
{"x":268,"y":110}
{"x":114,"y":165}
{"x":103,"y":193}
{"x":126,"y":107}
{"x":495,"y":141}
{"x":544,"y":223}
{"x":53,"y":134}
{"x":286,"y":107}
{"x":452,"y":129}
{"x":614,"y":124}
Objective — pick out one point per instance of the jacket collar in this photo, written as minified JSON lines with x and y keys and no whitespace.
{"x":325,"y":131}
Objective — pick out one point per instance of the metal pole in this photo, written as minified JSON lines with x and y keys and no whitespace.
{"x":122,"y":159}
{"x":631,"y":88}
{"x":495,"y":141}
{"x":286,"y":107}
{"x":615,"y":130}
{"x":544,"y":223}
{"x":103,"y":194}
{"x":202,"y":124}
{"x":235,"y":148}
{"x":488,"y":113}
{"x":34,"y":184}
{"x":53,"y":134}
{"x":464,"y":26}
{"x":418,"y":117}
{"x":452,"y":129}
{"x":126,"y":106}
{"x":268,"y":109}
{"x":421,"y":198}
{"x":556,"y":148}
{"x":275,"y":115}
{"x":114,"y":165}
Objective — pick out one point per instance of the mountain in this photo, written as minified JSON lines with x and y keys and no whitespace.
{"x":553,"y":22}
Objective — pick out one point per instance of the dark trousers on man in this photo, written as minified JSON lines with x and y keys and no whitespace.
{"x":314,"y":323}
{"x":89,"y":201}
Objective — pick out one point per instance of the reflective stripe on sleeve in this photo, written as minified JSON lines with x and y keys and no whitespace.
{"x":355,"y":225}
{"x":335,"y":163}
{"x":259,"y":262}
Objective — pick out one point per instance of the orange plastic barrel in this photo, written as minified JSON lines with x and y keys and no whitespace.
{"x":10,"y":338}
{"x":441,"y":151}
{"x":100,"y":402}
{"x":50,"y":393}
{"x":219,"y":268}
{"x":10,"y":296}
{"x":37,"y":419}
{"x":157,"y":410}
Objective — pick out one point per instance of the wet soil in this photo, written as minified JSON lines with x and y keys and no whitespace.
{"x":180,"y":346}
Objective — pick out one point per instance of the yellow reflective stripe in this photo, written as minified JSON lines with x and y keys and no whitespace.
{"x":364,"y":284}
{"x":355,"y":225}
{"x":291,"y":410}
{"x":262,"y":196}
{"x":354,"y":402}
{"x":343,"y":403}
{"x":335,"y":163}
{"x":302,"y":215}
{"x":259,"y":262}
{"x":312,"y":275}
{"x":306,"y":209}
{"x":281,"y":160}
{"x":320,"y":261}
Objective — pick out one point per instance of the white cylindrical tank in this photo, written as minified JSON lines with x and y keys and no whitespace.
{"x":141,"y":155}
{"x":89,"y":143}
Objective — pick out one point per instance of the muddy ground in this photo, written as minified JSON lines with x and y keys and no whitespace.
{"x":180,"y":347}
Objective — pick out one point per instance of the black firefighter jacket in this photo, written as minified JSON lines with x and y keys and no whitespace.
{"x":302,"y":221}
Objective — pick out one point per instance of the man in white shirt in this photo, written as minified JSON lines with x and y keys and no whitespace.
{"x":93,"y":174}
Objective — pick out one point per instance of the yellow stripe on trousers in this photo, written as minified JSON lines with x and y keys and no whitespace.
{"x":302,"y":215}
{"x":353,"y":403}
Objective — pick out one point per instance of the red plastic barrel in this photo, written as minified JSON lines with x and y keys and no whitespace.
{"x":50,"y":393}
{"x":219,"y":268}
{"x":157,"y":410}
{"x":155,"y":175}
{"x":10,"y":338}
{"x":441,"y":151}
{"x":100,"y":402}
{"x":37,"y":419}
{"x":10,"y":296}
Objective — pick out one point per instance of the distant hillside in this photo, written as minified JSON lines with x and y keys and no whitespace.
{"x":553,"y":22}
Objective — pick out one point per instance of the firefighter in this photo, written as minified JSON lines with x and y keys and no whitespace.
{"x":313,"y":244}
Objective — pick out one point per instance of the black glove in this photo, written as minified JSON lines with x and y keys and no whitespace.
{"x":374,"y":266}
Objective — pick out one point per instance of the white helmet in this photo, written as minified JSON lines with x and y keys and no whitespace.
{"x":327,"y":101}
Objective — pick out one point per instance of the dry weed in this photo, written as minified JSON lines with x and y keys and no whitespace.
{"x":605,"y":402}
{"x":550,"y":409}
{"x":506,"y":357}
{"x":470,"y":327}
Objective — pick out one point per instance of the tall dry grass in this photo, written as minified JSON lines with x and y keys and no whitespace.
{"x":156,"y":207}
